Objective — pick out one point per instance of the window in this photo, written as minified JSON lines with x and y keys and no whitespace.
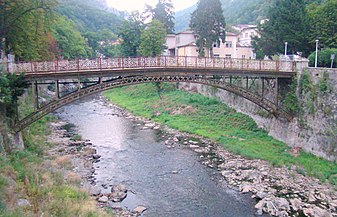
{"x":228,"y":44}
{"x":246,"y":35}
{"x":243,"y":56}
{"x":228,"y":56}
{"x":216,"y":55}
{"x":216,"y":45}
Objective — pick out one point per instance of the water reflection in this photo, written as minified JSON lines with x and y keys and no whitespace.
{"x":138,"y":159}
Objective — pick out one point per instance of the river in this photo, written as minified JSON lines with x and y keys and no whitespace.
{"x":168,"y":182}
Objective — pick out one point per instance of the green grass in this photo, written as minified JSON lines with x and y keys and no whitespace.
{"x":214,"y":120}
{"x":31,"y":174}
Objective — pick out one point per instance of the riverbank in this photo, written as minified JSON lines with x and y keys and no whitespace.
{"x":40,"y":180}
{"x":288,"y":188}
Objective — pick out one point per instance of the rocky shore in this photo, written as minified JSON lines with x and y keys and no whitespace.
{"x":279,"y":191}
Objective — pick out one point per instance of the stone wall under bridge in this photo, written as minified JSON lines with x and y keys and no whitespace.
{"x":314,"y":129}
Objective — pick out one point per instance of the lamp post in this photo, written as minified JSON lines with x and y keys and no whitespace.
{"x":316,"y":53}
{"x":285,"y":48}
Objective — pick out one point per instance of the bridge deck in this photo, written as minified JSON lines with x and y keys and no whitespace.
{"x":144,"y":65}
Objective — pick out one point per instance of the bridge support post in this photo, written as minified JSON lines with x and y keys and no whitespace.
{"x":57,"y":89}
{"x":35,"y":93}
{"x":262,"y":82}
{"x":277,"y":91}
{"x":100,"y":80}
{"x":78,"y":85}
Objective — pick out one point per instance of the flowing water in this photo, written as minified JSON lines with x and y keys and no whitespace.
{"x":169,"y":182}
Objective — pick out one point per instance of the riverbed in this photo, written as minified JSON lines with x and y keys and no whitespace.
{"x":168,"y":181}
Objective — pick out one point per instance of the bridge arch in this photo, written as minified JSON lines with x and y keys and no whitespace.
{"x":134,"y":80}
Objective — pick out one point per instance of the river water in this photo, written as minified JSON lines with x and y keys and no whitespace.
{"x":169,"y":182}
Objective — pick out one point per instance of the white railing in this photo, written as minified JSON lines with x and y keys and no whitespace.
{"x":152,"y":62}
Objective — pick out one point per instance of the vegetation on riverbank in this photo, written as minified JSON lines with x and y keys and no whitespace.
{"x":42,"y":184}
{"x":238,"y":133}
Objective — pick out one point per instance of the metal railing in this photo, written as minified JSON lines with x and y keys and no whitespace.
{"x":151,"y":62}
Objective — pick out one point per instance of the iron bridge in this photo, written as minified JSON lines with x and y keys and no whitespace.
{"x":258,"y":81}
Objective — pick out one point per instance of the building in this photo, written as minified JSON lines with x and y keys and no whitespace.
{"x":237,"y":45}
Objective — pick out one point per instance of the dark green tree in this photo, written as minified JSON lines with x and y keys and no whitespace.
{"x":287,"y":22}
{"x":130,"y":33}
{"x":11,"y":88}
{"x":323,"y":24}
{"x":152,"y":39}
{"x":164,"y":12}
{"x":208,"y":24}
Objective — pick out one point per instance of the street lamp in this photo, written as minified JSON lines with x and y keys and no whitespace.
{"x":316,"y":53}
{"x":285,"y":48}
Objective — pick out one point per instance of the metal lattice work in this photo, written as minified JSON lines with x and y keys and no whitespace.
{"x":221,"y":83}
{"x":151,"y":62}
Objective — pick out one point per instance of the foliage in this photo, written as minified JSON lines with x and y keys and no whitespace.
{"x":323,"y":58}
{"x":101,"y":43}
{"x":72,"y":43}
{"x":11,"y":87}
{"x":89,"y":15}
{"x":287,"y":22}
{"x":208,"y":24}
{"x":235,"y":12}
{"x":130,"y":33}
{"x":24,"y":29}
{"x":323,"y":25}
{"x":164,"y":12}
{"x":290,"y":102}
{"x":152,"y":39}
{"x":216,"y":121}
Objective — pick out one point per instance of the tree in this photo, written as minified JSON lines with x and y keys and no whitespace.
{"x":208,"y":24}
{"x":130,"y":33}
{"x":101,"y":42}
{"x":153,"y":39}
{"x":287,"y":22}
{"x":323,"y":24}
{"x":24,"y":27}
{"x":11,"y":87}
{"x":164,"y":12}
{"x":72,"y":43}
{"x":324,"y":58}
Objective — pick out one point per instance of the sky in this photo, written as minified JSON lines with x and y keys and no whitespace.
{"x":131,"y":5}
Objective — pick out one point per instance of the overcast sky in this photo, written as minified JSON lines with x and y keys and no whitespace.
{"x":131,"y":5}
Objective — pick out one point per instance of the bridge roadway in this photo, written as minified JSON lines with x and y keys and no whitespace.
{"x":234,"y":75}
{"x":130,"y":66}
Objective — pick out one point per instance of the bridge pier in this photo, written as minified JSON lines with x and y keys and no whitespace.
{"x":57,"y":89}
{"x":35,"y":93}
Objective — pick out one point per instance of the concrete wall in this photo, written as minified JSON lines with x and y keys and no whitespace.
{"x":315,"y":132}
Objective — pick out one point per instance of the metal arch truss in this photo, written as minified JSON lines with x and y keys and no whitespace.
{"x":225,"y":83}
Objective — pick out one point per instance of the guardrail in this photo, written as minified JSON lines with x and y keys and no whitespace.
{"x":152,"y":62}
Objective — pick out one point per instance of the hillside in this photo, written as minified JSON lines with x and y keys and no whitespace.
{"x":89,"y":15}
{"x":235,"y":12}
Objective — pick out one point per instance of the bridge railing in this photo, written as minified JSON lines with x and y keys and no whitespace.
{"x":152,"y":62}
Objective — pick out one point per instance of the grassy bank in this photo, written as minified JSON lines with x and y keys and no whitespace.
{"x":48,"y":183}
{"x":196,"y":114}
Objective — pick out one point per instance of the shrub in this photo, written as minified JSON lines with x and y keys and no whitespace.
{"x":324,"y":58}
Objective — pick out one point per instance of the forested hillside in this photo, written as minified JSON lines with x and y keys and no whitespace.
{"x":57,"y":29}
{"x":89,"y":15}
{"x":235,"y":12}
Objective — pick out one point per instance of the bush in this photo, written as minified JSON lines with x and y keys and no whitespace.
{"x":324,"y":58}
